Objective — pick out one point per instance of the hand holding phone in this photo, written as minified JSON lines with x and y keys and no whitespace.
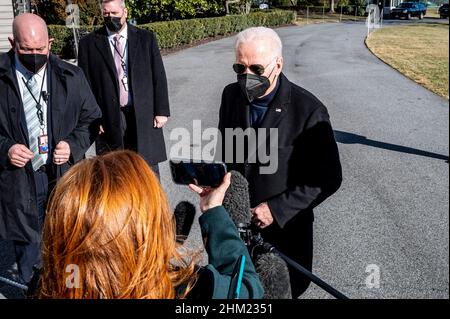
{"x":212,"y":197}
{"x":187,"y":172}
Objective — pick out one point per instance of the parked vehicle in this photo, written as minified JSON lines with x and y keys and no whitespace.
{"x":409,"y":9}
{"x":443,"y":11}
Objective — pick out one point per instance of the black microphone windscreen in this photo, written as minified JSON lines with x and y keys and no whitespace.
{"x":274,"y":276}
{"x":237,"y":200}
{"x":184,"y":214}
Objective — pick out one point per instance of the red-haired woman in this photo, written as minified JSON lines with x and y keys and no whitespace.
{"x":109,"y":221}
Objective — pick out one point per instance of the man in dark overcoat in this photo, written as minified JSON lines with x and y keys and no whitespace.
{"x":48,"y":120}
{"x":293,"y":128}
{"x":124,"y":67}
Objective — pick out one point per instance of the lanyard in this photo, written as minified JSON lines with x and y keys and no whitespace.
{"x":39,"y":112}
{"x":122,"y":56}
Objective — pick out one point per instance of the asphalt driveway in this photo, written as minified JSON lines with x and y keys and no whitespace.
{"x":390,"y":216}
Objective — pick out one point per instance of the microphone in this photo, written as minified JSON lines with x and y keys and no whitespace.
{"x":183,"y":214}
{"x":274,"y":275}
{"x":271,"y":264}
{"x":319,"y":282}
{"x":272,"y":270}
{"x":237,"y":200}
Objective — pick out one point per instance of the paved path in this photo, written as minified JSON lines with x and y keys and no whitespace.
{"x":392,"y":209}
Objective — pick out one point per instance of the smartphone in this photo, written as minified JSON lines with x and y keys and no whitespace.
{"x":198,"y":173}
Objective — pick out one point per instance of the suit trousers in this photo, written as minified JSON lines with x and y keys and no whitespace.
{"x":129,"y":133}
{"x":28,"y":255}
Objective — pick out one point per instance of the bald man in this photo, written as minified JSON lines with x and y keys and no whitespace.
{"x":303,"y":168}
{"x":47,"y":115}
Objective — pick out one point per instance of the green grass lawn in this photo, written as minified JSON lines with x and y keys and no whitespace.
{"x":316,"y":17}
{"x":432,"y":13}
{"x":419,"y":51}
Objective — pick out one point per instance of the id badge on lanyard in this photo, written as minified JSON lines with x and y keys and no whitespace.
{"x":43,"y":138}
{"x":125,"y":83}
{"x":43,"y":143}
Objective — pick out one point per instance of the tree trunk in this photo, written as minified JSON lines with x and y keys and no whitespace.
{"x":331,"y":6}
{"x":248,"y":6}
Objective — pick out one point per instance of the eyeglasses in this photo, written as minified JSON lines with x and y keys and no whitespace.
{"x":258,"y":69}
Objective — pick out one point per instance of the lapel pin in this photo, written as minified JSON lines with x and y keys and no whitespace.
{"x":278,"y":110}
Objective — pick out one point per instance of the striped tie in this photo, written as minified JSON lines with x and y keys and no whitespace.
{"x":123,"y":94}
{"x":33,"y":125}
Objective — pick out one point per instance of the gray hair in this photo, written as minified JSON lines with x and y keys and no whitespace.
{"x":122,"y":3}
{"x":261,"y":34}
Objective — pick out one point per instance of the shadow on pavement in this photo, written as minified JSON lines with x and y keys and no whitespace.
{"x":350,"y":138}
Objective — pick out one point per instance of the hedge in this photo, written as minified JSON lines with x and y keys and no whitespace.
{"x":171,"y":34}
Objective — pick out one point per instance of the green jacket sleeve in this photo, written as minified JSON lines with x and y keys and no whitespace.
{"x":224,"y":246}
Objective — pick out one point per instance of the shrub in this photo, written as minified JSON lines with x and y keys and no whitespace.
{"x":145,"y":11}
{"x":171,"y":34}
{"x":63,"y":44}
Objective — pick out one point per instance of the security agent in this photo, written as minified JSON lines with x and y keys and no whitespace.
{"x":47,"y":122}
{"x":124,"y":67}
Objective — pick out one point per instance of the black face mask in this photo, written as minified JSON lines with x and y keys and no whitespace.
{"x":113,"y":23}
{"x":252,"y":85}
{"x":33,"y":62}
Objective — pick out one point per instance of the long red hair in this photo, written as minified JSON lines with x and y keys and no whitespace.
{"x":109,"y":217}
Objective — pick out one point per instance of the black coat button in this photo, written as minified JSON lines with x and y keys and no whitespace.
{"x":13,"y":110}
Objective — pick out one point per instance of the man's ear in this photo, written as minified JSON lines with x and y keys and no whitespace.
{"x":50,"y":42}
{"x":12,"y":42}
{"x":280,"y":62}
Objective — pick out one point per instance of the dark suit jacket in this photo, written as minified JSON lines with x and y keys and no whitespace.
{"x":308,"y":169}
{"x":147,"y":82}
{"x":73,"y":115}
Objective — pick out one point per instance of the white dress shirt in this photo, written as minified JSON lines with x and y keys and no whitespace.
{"x":23,"y":74}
